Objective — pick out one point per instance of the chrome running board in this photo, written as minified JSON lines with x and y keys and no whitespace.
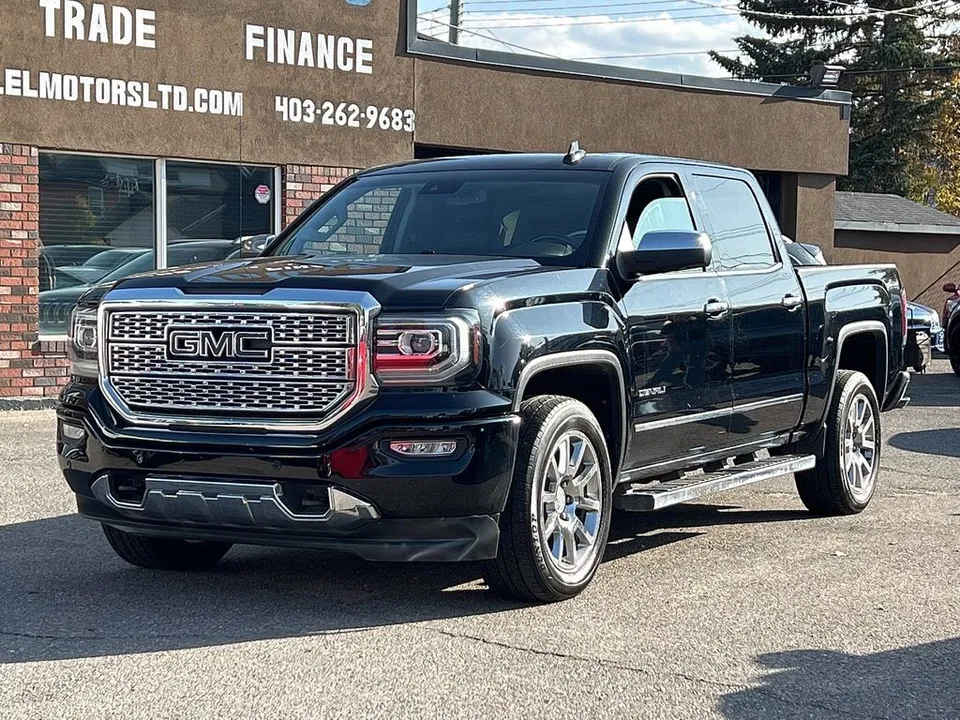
{"x":643,"y":498}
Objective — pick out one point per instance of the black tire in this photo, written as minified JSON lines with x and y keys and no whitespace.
{"x":824,"y":490}
{"x":955,"y":363}
{"x":521,"y":569}
{"x":155,"y":553}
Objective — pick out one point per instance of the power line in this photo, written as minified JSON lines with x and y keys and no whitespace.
{"x":786,"y":16}
{"x":619,"y":15}
{"x":649,"y":55}
{"x":882,"y":71}
{"x":485,"y":37}
{"x":528,"y":25}
{"x":582,"y":7}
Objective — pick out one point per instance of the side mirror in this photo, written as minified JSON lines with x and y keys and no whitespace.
{"x":663,"y":251}
{"x":253,"y":245}
{"x":950,"y":288}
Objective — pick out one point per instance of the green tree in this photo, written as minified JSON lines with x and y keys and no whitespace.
{"x":884,"y":46}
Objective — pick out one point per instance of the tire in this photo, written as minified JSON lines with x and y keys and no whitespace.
{"x":955,"y":363}
{"x":155,"y":553}
{"x":840,"y":484}
{"x":535,"y":563}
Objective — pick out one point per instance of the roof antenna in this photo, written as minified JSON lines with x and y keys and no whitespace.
{"x":574,"y":154}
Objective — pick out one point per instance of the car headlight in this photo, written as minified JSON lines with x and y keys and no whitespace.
{"x":83,"y":344}
{"x":426,"y":349}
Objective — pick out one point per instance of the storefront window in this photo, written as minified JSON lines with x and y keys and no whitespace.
{"x":211,"y":208}
{"x":96,"y":216}
{"x":97,"y":221}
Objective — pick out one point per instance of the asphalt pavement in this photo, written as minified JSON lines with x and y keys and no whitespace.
{"x":741,"y":606}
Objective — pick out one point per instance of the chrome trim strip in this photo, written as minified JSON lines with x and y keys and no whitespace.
{"x":215,"y":502}
{"x":578,"y":357}
{"x":361,"y":303}
{"x":718,"y":413}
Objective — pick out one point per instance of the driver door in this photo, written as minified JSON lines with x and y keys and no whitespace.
{"x":679,"y":336}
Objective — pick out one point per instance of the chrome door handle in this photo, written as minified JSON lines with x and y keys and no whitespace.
{"x":715,"y":307}
{"x":791,"y":302}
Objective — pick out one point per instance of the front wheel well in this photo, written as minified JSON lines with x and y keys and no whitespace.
{"x":596,"y":385}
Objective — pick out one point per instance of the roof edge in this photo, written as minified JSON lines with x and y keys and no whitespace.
{"x":917,"y":229}
{"x":418,"y":47}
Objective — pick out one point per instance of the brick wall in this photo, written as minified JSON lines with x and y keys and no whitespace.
{"x":29,"y":369}
{"x":302,"y":184}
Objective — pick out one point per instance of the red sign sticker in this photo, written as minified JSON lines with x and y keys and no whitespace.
{"x":262,"y":194}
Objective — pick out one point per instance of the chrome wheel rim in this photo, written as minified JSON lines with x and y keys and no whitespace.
{"x":569,"y":505}
{"x":859,"y":452}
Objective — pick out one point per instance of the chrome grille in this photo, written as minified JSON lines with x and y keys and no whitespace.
{"x":311,"y":371}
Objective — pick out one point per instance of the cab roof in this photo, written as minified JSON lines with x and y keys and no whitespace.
{"x":605,"y":162}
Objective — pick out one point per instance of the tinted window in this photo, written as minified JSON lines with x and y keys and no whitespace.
{"x":740,"y":237}
{"x":669,"y":213}
{"x":536,"y":214}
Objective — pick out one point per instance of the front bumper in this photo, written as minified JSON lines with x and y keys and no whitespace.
{"x":344,"y":491}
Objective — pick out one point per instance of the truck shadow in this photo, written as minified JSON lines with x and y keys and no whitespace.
{"x":938,"y":441}
{"x":907,"y":683}
{"x":936,"y":388}
{"x":63,"y":594}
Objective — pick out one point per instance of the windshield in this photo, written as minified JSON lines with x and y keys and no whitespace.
{"x":543,"y":214}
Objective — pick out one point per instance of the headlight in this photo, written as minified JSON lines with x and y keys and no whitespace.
{"x":426,"y":349}
{"x":84,"y":342}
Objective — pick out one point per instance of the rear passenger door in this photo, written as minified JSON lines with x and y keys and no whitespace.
{"x":766,"y":304}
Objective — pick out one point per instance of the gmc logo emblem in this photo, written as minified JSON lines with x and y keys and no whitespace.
{"x":220,"y":343}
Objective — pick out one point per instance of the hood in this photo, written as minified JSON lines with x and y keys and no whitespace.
{"x":394,"y":280}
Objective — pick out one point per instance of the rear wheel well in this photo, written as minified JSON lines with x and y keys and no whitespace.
{"x":597,"y":387}
{"x":865,"y":352}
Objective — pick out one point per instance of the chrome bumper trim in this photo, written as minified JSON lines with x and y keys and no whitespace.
{"x":233,"y":504}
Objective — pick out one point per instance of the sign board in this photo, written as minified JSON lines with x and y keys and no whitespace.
{"x":262,"y":194}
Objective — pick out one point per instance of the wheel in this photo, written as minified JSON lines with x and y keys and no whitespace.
{"x":553,"y":531}
{"x":165,"y":553}
{"x":920,"y":368}
{"x":845,"y":478}
{"x":955,"y":363}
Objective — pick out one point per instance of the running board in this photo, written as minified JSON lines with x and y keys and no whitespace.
{"x":643,"y":498}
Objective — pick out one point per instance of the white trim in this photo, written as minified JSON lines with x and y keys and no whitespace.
{"x":278,"y":199}
{"x":160,"y":213}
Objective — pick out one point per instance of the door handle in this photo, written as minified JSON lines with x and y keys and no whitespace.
{"x":715,"y":307}
{"x":791,"y":302}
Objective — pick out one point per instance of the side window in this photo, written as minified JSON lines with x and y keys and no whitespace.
{"x":656,"y":204}
{"x":663,"y":214}
{"x":740,"y":237}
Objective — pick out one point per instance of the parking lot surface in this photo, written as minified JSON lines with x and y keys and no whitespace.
{"x":741,"y":606}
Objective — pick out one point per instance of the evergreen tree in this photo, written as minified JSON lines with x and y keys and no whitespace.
{"x":895,"y":105}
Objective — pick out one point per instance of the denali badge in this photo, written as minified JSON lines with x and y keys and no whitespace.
{"x":220,"y":343}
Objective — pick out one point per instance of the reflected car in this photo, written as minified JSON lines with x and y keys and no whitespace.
{"x":926,"y":319}
{"x":56,"y":305}
{"x":96,"y":267}
{"x":71,"y":255}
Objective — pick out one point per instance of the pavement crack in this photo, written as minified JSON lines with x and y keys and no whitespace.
{"x":617,"y":665}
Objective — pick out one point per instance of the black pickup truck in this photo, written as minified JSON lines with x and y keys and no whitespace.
{"x":479,"y":359}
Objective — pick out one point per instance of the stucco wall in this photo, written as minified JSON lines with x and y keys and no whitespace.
{"x":925,"y":262}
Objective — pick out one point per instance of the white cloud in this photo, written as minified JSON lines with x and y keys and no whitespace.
{"x":603,"y":35}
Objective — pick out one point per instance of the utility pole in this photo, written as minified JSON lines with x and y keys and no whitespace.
{"x":456,"y":10}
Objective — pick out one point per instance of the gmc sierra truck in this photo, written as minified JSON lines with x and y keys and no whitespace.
{"x":479,"y":359}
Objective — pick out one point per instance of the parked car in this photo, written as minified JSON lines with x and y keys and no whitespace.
{"x":480,"y":370}
{"x":73,"y":254}
{"x":951,"y":323}
{"x":56,"y":305}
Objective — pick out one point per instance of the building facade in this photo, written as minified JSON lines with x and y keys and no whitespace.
{"x":134,"y":138}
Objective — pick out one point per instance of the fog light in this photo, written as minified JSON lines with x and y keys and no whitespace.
{"x":73,"y":432}
{"x":419,"y":448}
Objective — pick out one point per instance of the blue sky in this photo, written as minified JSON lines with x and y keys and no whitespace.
{"x":669,"y":35}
